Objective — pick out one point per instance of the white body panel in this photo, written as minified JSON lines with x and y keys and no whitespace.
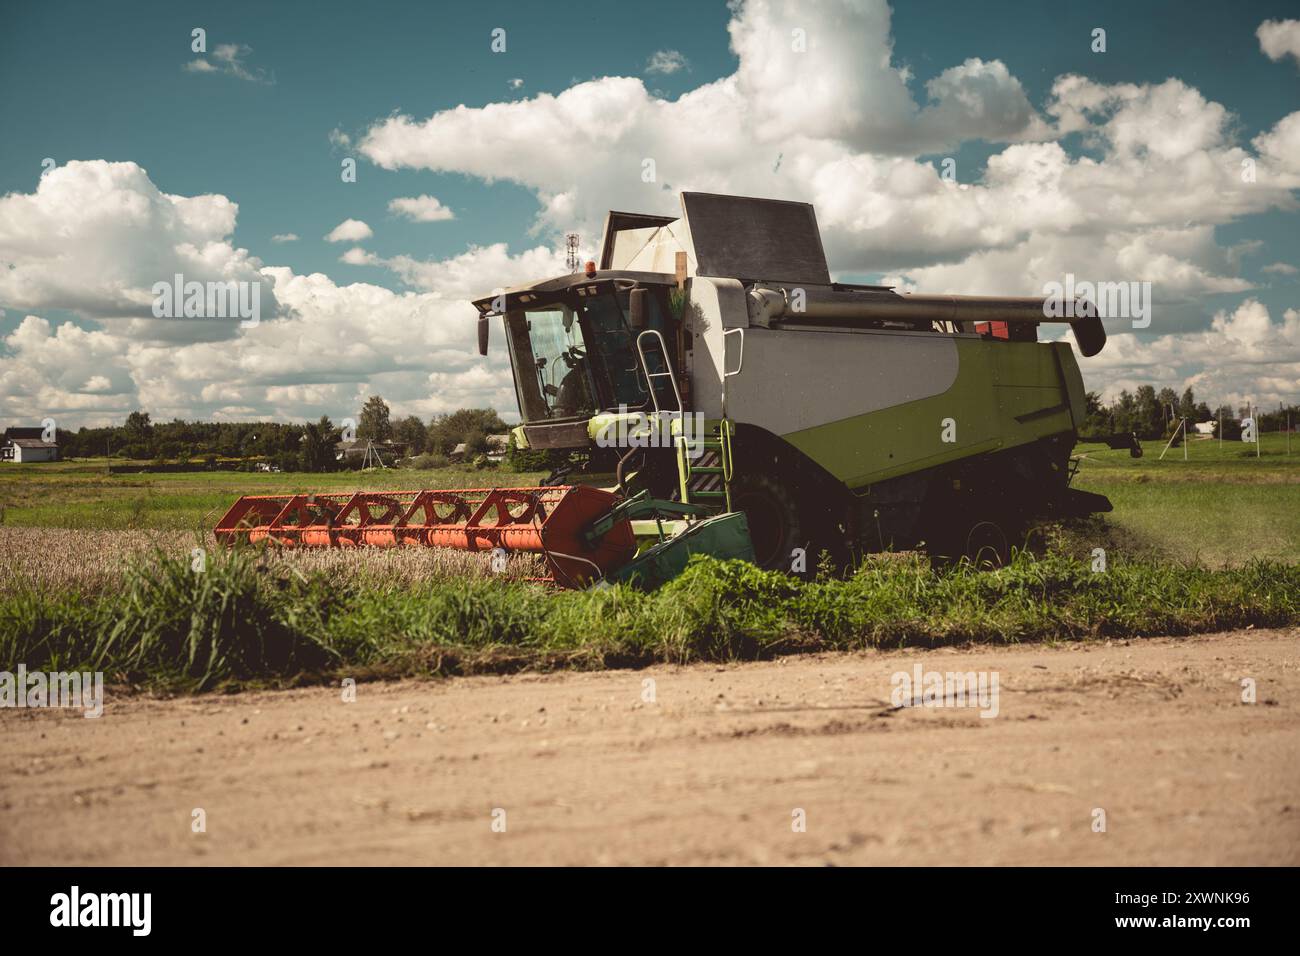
{"x":793,"y":380}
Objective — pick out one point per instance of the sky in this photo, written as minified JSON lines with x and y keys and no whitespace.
{"x":481,"y":133}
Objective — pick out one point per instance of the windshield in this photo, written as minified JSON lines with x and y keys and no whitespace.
{"x":550,"y":359}
{"x":576,"y":356}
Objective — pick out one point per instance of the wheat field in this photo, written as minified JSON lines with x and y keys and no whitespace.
{"x":60,"y":558}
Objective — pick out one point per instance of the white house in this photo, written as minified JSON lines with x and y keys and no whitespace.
{"x":29,"y":449}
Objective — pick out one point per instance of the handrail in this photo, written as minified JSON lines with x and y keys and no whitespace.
{"x":739,"y":365}
{"x":725,"y":451}
{"x":668,"y":364}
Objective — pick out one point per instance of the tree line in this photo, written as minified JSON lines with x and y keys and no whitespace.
{"x":1152,"y":414}
{"x":290,"y":446}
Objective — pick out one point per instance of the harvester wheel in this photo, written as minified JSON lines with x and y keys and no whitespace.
{"x":987,"y":545}
{"x":773,"y":518}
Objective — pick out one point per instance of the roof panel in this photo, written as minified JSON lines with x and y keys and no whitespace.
{"x":746,"y":238}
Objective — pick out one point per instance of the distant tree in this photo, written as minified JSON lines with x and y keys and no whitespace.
{"x":1148,"y":415}
{"x":449,"y":430}
{"x":138,"y":427}
{"x":1097,"y":420}
{"x":317,"y":452}
{"x":410,"y":431}
{"x":1123,"y":412}
{"x":375,"y":424}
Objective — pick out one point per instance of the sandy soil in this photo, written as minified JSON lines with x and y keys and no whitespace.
{"x":714,"y":770}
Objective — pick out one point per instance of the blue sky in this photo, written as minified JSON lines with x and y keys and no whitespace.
{"x":87,"y":81}
{"x":108,"y":82}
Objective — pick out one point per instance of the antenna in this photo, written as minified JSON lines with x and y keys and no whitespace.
{"x":571,"y":251}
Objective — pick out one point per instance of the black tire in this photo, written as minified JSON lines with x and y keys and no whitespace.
{"x":775,"y":525}
{"x":781,"y":521}
{"x":982,"y":536}
{"x":987,"y":544}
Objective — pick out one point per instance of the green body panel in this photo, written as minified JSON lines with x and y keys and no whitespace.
{"x":725,"y":536}
{"x":1029,"y":398}
{"x":650,"y":532}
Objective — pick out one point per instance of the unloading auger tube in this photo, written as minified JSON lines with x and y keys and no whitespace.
{"x":774,"y":303}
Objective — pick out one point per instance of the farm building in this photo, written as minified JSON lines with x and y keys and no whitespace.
{"x":387,"y":451}
{"x":498,"y":446}
{"x":27,"y":444}
{"x":29,"y":449}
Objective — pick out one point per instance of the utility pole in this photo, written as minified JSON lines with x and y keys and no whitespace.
{"x":1250,"y":413}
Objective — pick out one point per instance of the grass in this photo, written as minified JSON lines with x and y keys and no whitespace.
{"x":242,"y":620}
{"x":1222,"y":506}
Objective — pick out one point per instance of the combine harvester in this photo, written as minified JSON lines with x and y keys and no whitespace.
{"x":750,"y":408}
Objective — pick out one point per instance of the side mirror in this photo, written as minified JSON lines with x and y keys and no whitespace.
{"x":636,"y":310}
{"x":483,"y":334}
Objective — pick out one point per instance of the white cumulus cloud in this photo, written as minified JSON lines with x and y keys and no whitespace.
{"x":666,"y":62}
{"x":421,"y":209}
{"x":327,"y":347}
{"x":349,"y":230}
{"x":230,"y":59}
{"x":1244,"y":354}
{"x":96,"y":236}
{"x":1280,"y":38}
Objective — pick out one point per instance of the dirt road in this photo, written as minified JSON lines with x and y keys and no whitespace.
{"x":720,"y":767}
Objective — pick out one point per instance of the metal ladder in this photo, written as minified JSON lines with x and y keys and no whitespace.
{"x":712,"y":481}
{"x":715,"y":446}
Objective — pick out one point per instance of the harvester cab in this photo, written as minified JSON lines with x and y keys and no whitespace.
{"x":749,"y":407}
